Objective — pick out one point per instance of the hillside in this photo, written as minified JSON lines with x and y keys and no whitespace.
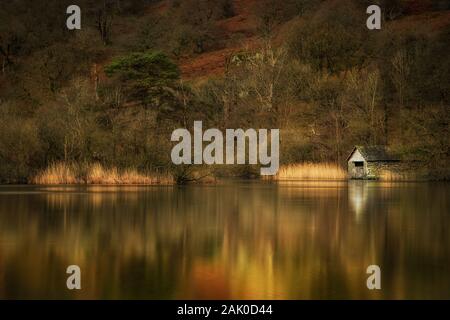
{"x":240,"y":32}
{"x":242,"y":26}
{"x":105,"y":99}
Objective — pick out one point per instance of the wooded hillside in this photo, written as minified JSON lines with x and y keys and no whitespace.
{"x":112,"y":92}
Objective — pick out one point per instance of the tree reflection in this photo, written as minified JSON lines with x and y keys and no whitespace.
{"x":232,"y":241}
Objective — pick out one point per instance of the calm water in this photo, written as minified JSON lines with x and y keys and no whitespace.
{"x":231,"y":241}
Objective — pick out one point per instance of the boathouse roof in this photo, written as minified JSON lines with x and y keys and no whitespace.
{"x":374,"y":153}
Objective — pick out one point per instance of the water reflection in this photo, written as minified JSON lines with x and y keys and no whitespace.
{"x":232,"y":241}
{"x":358,"y":193}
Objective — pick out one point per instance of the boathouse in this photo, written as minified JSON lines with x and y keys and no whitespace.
{"x":368,"y":162}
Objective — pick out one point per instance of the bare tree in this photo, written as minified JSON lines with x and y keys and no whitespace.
{"x":264,"y":70}
{"x":401,"y":69}
{"x":363,"y":94}
{"x":103,"y":22}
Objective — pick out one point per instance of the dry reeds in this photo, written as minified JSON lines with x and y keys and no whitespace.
{"x":62,"y":173}
{"x":311,"y":171}
{"x":97,"y":174}
{"x":57,"y":173}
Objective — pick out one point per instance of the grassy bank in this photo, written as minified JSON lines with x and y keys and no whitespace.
{"x":97,"y":174}
{"x":331,"y":171}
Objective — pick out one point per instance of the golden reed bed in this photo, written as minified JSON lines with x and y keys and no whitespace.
{"x":311,"y":171}
{"x":62,"y":173}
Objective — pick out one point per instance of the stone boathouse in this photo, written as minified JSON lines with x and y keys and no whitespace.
{"x":369,"y":162}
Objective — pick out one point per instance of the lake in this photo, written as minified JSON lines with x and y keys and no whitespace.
{"x":234,"y":240}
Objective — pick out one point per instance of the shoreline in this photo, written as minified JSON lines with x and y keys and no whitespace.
{"x":221,"y":181}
